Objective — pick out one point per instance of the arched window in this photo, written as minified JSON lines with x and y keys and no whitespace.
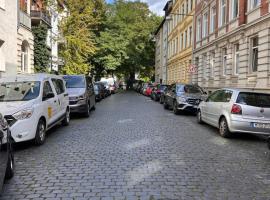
{"x":24,"y":56}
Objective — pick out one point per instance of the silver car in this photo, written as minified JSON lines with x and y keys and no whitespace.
{"x":236,"y":110}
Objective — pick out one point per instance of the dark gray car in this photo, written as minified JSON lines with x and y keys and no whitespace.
{"x":6,"y":154}
{"x":81,"y":94}
{"x":183,"y":97}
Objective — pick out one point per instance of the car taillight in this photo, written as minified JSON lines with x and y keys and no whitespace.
{"x":236,"y":109}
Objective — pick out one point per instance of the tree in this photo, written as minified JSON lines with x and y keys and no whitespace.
{"x":78,"y":31}
{"x":41,"y":52}
{"x":124,"y":43}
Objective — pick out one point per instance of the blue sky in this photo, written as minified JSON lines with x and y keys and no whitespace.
{"x":155,"y":5}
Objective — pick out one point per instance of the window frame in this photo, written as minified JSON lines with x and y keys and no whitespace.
{"x":224,"y":61}
{"x":236,"y":58}
{"x":213,"y":18}
{"x":199,"y":28}
{"x":252,"y":53}
{"x":233,"y":9}
{"x":222,"y":18}
{"x":205,"y":25}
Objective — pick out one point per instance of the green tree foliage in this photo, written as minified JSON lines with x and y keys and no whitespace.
{"x":78,"y":29}
{"x":124,"y":42}
{"x":41,"y":52}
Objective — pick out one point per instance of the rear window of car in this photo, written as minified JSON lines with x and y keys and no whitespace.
{"x":254,"y":99}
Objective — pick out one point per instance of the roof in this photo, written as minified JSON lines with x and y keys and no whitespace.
{"x":29,"y":77}
{"x":161,"y":24}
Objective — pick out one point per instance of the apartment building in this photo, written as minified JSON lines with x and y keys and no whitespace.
{"x":25,"y":38}
{"x":232,"y":44}
{"x":8,"y":36}
{"x":180,"y":40}
{"x":161,"y":58}
{"x":48,"y":14}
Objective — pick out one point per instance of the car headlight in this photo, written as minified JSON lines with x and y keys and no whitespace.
{"x":181,"y":100}
{"x":23,"y":114}
{"x":80,"y":98}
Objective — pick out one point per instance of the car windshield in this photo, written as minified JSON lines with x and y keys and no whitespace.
{"x":254,"y":99}
{"x":192,"y":89}
{"x":19,"y":91}
{"x":75,"y":81}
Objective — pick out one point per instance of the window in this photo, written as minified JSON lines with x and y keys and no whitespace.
{"x":235,"y":8}
{"x":224,"y":62}
{"x":190,"y":36}
{"x":254,"y":99}
{"x":183,"y":11}
{"x":222,"y":13}
{"x":187,"y":9}
{"x":186,"y":39}
{"x":213,"y":19}
{"x":205,"y":25}
{"x":254,"y":54}
{"x":3,"y":4}
{"x":204,"y":64}
{"x":236,"y":59}
{"x":191,"y":5}
{"x":198,"y":31}
{"x":59,"y":86}
{"x":177,"y":50}
{"x":212,"y":63}
{"x":182,"y":41}
{"x":47,"y":89}
{"x":220,"y":96}
{"x":24,"y":56}
{"x":254,"y":3}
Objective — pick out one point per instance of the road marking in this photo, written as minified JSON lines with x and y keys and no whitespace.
{"x":124,"y":121}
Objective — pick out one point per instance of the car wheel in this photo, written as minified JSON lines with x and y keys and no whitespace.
{"x":165,"y":105}
{"x":223,"y":128}
{"x":10,"y":166}
{"x":175,"y":110}
{"x":40,"y":133}
{"x":160,"y":100}
{"x":66,"y":120}
{"x":199,"y":117}
{"x":87,"y":112}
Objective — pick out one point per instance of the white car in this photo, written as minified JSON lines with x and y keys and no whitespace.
{"x":236,"y":110}
{"x":32,"y":104}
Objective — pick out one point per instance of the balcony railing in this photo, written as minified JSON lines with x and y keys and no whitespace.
{"x":37,"y":15}
{"x":24,"y":19}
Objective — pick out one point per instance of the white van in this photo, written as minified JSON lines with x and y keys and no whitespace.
{"x":32,"y":104}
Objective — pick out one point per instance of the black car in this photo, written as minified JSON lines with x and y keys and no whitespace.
{"x":157,"y":91}
{"x":183,"y":97}
{"x":98,"y":92}
{"x":162,"y":94}
{"x":81,"y":94}
{"x":6,"y":153}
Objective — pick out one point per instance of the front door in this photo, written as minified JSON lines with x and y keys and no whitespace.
{"x":61,"y":96}
{"x":51,"y":104}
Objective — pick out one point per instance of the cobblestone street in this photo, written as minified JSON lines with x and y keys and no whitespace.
{"x":131,"y":148}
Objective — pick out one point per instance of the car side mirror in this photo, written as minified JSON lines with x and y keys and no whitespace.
{"x":48,"y":96}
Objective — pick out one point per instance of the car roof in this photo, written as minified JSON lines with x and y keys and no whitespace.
{"x":242,"y":90}
{"x":29,"y":77}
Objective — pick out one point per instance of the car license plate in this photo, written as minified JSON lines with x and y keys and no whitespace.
{"x":260,"y":125}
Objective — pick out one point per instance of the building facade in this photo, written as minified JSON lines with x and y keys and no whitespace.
{"x":161,"y":36}
{"x":180,"y":38}
{"x":8,"y":37}
{"x":232,"y":44}
{"x":25,"y":39}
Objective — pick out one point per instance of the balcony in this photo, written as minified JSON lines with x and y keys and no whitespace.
{"x":38,"y":17}
{"x":24,"y":19}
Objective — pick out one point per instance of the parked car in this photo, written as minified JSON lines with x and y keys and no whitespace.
{"x":106,"y":88}
{"x":148,"y":90}
{"x":32,"y":104}
{"x":183,"y":97}
{"x":162,"y":94}
{"x":98,"y":92}
{"x":6,"y":153}
{"x":144,"y":88}
{"x":236,"y":110}
{"x":113,"y":88}
{"x":81,"y":94}
{"x":102,"y":88}
{"x":157,"y":91}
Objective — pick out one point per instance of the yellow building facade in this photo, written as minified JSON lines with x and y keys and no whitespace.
{"x":180,"y":40}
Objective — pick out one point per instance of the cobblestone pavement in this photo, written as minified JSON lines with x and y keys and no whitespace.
{"x":131,"y":148}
